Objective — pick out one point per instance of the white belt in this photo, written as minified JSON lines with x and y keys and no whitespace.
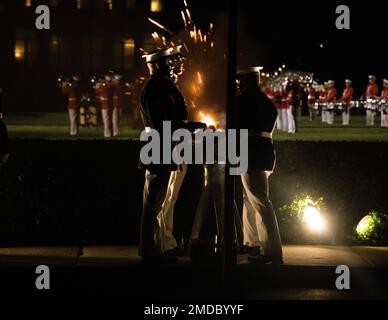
{"x":262,"y":134}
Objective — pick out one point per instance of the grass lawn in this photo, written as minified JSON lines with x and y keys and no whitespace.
{"x":55,"y":126}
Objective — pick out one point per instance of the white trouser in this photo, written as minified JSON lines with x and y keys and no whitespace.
{"x":345,"y":117}
{"x":73,"y":122}
{"x":166,"y":214}
{"x":290,"y":121}
{"x":116,"y":116}
{"x":324,"y":115}
{"x":330,"y":117}
{"x":384,"y":118}
{"x":212,"y":194}
{"x":279,"y":120}
{"x":259,"y":219}
{"x":284,"y":119}
{"x":370,"y":117}
{"x":106,"y":120}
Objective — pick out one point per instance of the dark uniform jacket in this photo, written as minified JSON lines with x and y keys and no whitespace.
{"x":257,"y":113}
{"x":162,"y":101}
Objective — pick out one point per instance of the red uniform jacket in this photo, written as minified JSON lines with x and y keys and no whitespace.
{"x":331,"y":95}
{"x":311,"y":96}
{"x":73,"y":96}
{"x":347,"y":95}
{"x":372,"y":91}
{"x":104,"y":93}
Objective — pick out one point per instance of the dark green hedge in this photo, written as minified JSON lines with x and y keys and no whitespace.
{"x":89,"y":192}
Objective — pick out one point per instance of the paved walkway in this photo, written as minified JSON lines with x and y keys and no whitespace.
{"x":294,"y":255}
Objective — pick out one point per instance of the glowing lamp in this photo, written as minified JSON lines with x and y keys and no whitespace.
{"x":313,"y":218}
{"x":363,"y":225}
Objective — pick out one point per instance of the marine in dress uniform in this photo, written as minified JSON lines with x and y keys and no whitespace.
{"x":323,"y":102}
{"x":371,"y":92}
{"x":118,"y":102}
{"x":72,"y":90}
{"x":311,"y":99}
{"x":4,"y":149}
{"x":346,"y":98}
{"x":161,"y":101}
{"x":284,"y":106}
{"x":291,"y":126}
{"x":104,"y":92}
{"x":331,"y":98}
{"x":258,"y":114}
{"x":384,"y":105}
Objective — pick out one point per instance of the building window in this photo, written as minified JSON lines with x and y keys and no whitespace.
{"x":156,"y":5}
{"x":83,"y":4}
{"x":131,"y":4}
{"x":26,"y":47}
{"x":92,"y":52}
{"x":104,"y":4}
{"x":124,"y":52}
{"x":19,"y":51}
{"x":56,"y":52}
{"x":53,"y":3}
{"x":149,"y":44}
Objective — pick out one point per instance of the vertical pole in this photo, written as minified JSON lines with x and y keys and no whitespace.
{"x":229,"y":252}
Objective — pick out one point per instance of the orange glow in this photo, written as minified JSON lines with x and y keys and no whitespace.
{"x":28,"y":3}
{"x":19,"y":51}
{"x":207,"y":119}
{"x":156,"y":5}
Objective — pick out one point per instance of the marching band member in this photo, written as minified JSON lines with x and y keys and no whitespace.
{"x":347,"y":96}
{"x":289,"y":106}
{"x":118,"y":101}
{"x":284,"y":108}
{"x":104,"y":93}
{"x":278,"y":105}
{"x":331,"y":99}
{"x":371,"y":93}
{"x":311,"y":99}
{"x":72,"y":90}
{"x":323,"y":101}
{"x":384,"y":107}
{"x":4,"y":151}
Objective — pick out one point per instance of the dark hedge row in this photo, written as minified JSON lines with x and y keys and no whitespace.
{"x":89,"y":192}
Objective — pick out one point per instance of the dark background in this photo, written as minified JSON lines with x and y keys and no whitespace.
{"x":90,"y":192}
{"x":271,"y":33}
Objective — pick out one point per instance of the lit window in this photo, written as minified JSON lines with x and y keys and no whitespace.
{"x":110,"y":4}
{"x":131,"y":4}
{"x":19,"y":50}
{"x":124,"y":51}
{"x":26,"y":47}
{"x":82,"y":4}
{"x":28,"y":3}
{"x":156,"y":5}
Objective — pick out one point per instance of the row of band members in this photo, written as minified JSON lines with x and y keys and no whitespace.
{"x":288,"y":100}
{"x":110,"y":94}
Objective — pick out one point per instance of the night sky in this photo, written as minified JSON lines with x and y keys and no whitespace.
{"x":275,"y":32}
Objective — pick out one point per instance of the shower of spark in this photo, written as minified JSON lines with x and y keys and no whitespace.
{"x":197,"y":47}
